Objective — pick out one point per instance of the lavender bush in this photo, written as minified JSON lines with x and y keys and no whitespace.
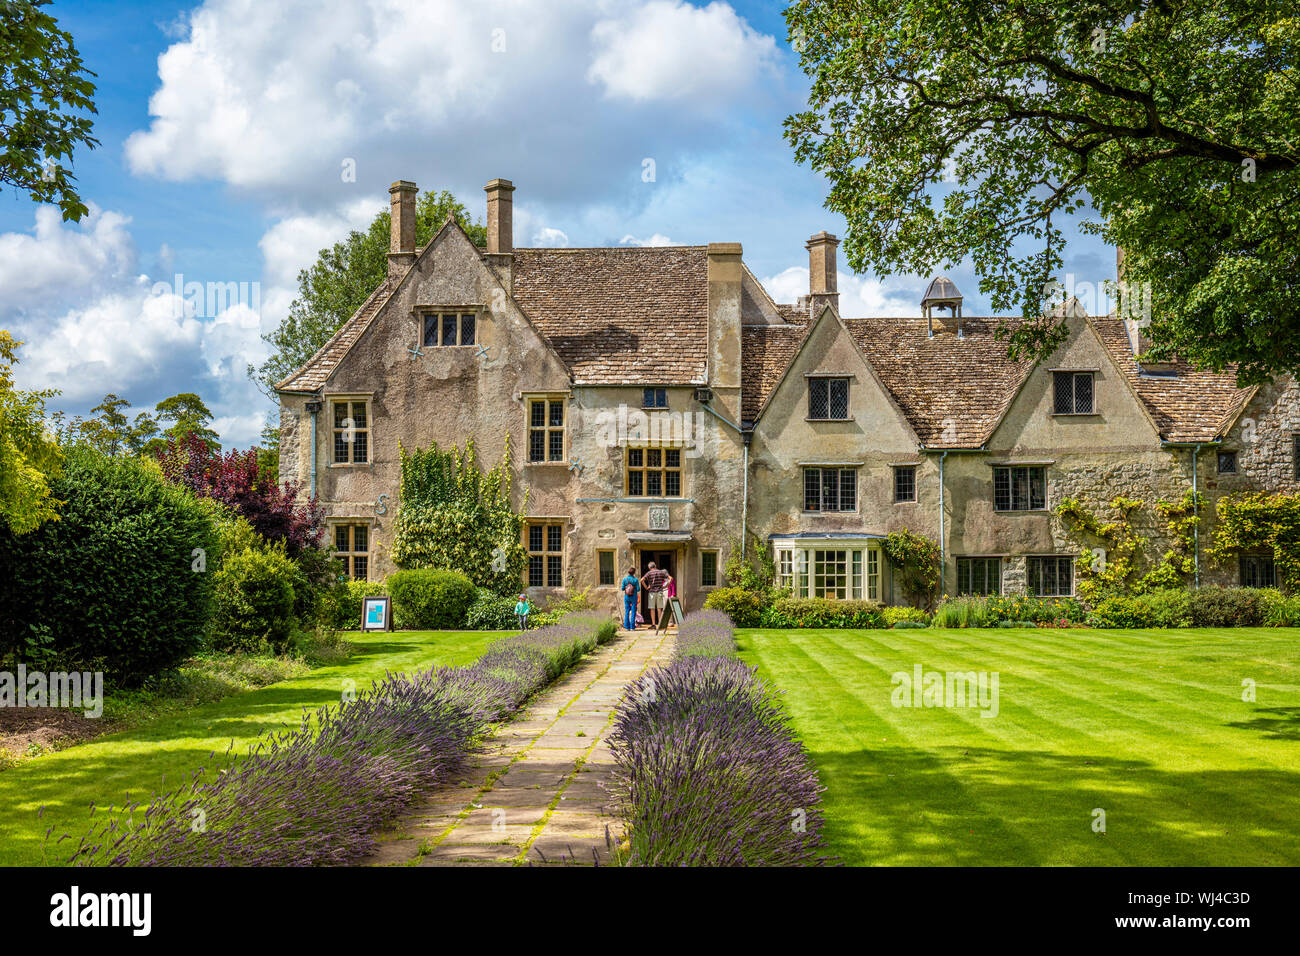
{"x":316,"y":794}
{"x":709,"y":772}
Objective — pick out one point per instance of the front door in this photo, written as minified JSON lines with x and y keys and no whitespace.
{"x":662,"y":559}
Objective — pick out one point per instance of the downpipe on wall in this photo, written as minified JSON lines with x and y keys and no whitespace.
{"x":943,"y":541}
{"x":314,"y":408}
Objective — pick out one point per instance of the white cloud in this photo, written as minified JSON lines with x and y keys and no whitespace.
{"x":61,"y":260}
{"x":671,"y":50}
{"x":860,"y":297}
{"x":658,"y":239}
{"x":549,"y":237}
{"x":276,"y":97}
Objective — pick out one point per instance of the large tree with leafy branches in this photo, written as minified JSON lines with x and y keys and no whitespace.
{"x":30,"y":458}
{"x":341,"y":279}
{"x":955,"y":128}
{"x":45,"y":94}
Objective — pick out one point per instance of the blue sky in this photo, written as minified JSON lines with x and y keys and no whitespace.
{"x":226,"y":128}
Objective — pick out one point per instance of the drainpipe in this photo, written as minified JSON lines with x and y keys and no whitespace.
{"x":314,"y":408}
{"x":1196,"y":510}
{"x":943,"y":541}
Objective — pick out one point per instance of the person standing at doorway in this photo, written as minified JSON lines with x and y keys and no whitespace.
{"x":654,"y":581}
{"x":631,"y":585}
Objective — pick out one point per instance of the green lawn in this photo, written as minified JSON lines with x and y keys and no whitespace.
{"x":1149,"y":726}
{"x":134,"y":763}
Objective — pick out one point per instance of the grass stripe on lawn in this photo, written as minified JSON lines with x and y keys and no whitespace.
{"x":1147,"y":725}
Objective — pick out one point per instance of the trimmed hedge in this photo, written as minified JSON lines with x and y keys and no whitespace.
{"x":254,"y":601}
{"x":122,"y":581}
{"x":427,"y":600}
{"x":789,"y":612}
{"x":491,"y":612}
{"x":1227,"y":607}
{"x":745,"y":608}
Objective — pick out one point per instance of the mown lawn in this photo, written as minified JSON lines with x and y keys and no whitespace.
{"x":1149,"y":726}
{"x":133,"y":764}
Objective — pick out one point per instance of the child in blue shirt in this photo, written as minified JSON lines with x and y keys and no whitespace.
{"x":522,"y":609}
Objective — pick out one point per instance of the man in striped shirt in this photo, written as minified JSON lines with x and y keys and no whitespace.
{"x":654,"y":581}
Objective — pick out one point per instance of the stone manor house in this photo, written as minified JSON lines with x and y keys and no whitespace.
{"x":660,"y":405}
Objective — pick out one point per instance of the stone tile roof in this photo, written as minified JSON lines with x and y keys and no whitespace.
{"x":765,"y":353}
{"x":320,"y":366}
{"x":952,"y":390}
{"x":636,"y":315}
{"x":1191,"y":405}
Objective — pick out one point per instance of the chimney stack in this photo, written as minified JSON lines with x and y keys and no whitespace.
{"x":401,"y":245}
{"x":822,"y":288}
{"x":500,"y":217}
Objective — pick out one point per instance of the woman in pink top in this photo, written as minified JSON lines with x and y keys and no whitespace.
{"x":670,"y":587}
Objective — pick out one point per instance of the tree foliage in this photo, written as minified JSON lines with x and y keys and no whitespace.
{"x":342,"y":278}
{"x":1176,"y":120}
{"x":45,"y":92}
{"x":29,"y":457}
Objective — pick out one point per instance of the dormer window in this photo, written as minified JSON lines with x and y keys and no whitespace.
{"x":449,"y":328}
{"x":1073,"y":393}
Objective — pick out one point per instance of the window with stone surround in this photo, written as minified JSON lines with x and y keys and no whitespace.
{"x":828,"y":399}
{"x":708,"y":569}
{"x":605,"y":568}
{"x":830,"y":489}
{"x":545,"y":555}
{"x":449,"y":328}
{"x":1050,"y":576}
{"x":1295,"y":457}
{"x":654,"y":472}
{"x":904,"y":483}
{"x":545,"y":429}
{"x":1227,"y":462}
{"x":1073,"y":393}
{"x":1020,"y":488}
{"x":979,"y":575}
{"x":351,"y":419}
{"x":352,"y":542}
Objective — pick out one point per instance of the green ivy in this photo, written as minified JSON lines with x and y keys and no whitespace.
{"x":1260,"y":522}
{"x":1124,"y":547}
{"x":454,"y":516}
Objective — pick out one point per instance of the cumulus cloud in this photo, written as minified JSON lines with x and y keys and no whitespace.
{"x":64,"y":260}
{"x":266,"y":97}
{"x":671,"y":50}
{"x":658,"y":239}
{"x":860,"y":297}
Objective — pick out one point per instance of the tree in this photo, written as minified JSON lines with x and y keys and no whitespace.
{"x":29,"y":457}
{"x":44,"y":89}
{"x":110,"y":433}
{"x":189,"y":416}
{"x":268,"y":455}
{"x":273,"y":509}
{"x":1176,"y":120}
{"x":341,"y":279}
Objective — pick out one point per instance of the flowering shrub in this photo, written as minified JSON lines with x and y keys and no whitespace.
{"x":315,"y":794}
{"x":709,"y":772}
{"x":904,"y":615}
{"x":976,"y":611}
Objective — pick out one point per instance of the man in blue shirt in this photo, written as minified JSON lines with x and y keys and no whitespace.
{"x":631,"y":585}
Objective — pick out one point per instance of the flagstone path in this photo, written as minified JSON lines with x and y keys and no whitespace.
{"x":534,"y":793}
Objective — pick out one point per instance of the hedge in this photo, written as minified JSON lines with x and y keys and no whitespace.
{"x":122,"y":581}
{"x":790,"y":612}
{"x":254,"y":601}
{"x":430,"y":600}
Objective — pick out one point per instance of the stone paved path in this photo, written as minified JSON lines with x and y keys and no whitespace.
{"x":534,"y":793}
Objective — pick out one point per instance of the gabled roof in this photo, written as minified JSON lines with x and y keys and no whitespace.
{"x":765,"y":353}
{"x":320,"y":366}
{"x":627,"y":315}
{"x":953,"y":390}
{"x":1189,"y":405}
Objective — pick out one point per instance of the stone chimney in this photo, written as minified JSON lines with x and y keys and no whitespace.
{"x":500,"y":227}
{"x":822,"y":286}
{"x":726,"y":275}
{"x":401,"y":244}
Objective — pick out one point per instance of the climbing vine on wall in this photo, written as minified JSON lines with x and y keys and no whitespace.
{"x":454,"y":515}
{"x":1120,"y":573}
{"x":1260,"y":522}
{"x":916,"y":562}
